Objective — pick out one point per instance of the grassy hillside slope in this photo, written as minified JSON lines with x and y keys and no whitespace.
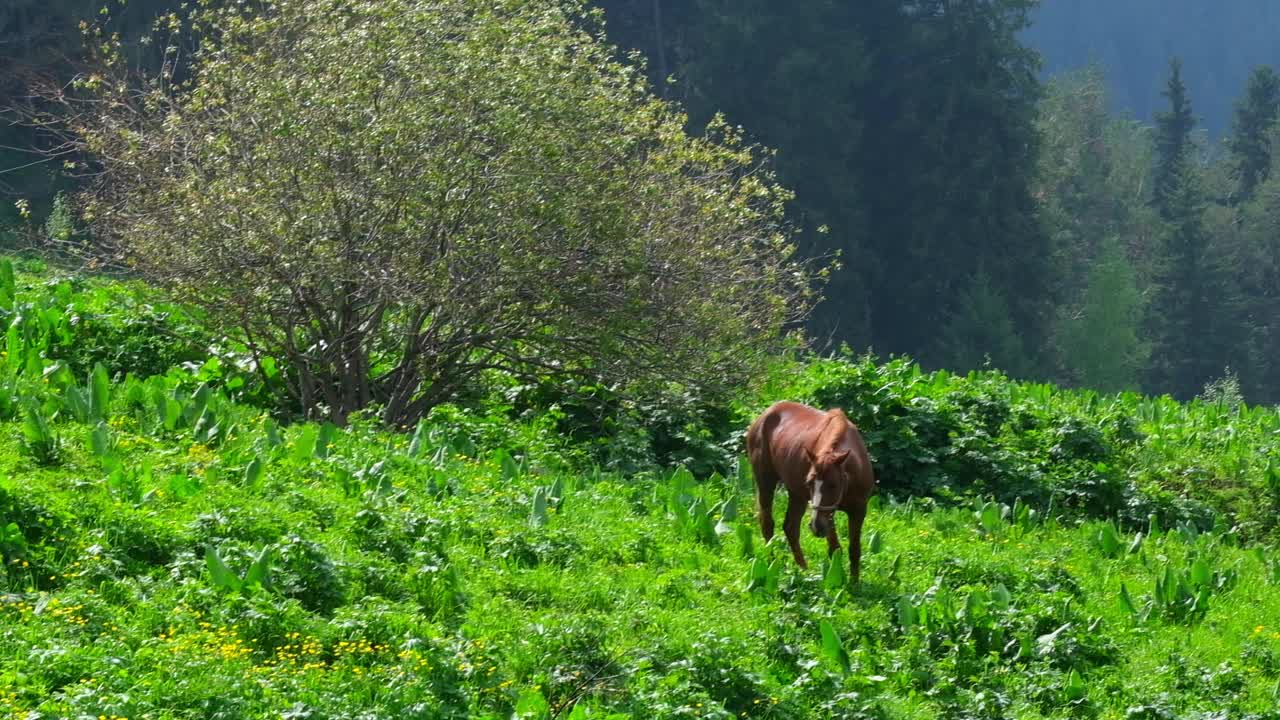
{"x":170,"y":553}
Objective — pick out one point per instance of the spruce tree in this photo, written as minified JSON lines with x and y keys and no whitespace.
{"x":1257,"y":270}
{"x":1173,"y":141}
{"x":979,"y":330}
{"x":1249,"y":144}
{"x":1185,"y":298}
{"x":1180,"y":310}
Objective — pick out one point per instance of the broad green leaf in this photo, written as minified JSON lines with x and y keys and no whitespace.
{"x":271,"y":433}
{"x":1201,"y":575}
{"x":304,"y":446}
{"x":907,"y":615}
{"x":836,"y":577}
{"x":100,"y":441}
{"x":1126,"y":602}
{"x":510,"y":469}
{"x":1000,"y":597}
{"x":416,"y":443}
{"x":254,"y":472}
{"x":832,"y":647}
{"x":259,"y":573}
{"x":746,"y":540}
{"x":171,"y":411}
{"x":324,"y":440}
{"x":100,"y":387}
{"x":222,"y":577}
{"x":1074,"y":689}
{"x":183,"y":486}
{"x":531,"y":705}
{"x":538,"y":512}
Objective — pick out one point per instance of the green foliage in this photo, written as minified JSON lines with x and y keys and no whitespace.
{"x":60,"y":225}
{"x":40,"y":439}
{"x":866,"y":128}
{"x":1255,"y":115}
{"x":981,"y":332}
{"x":256,"y":577}
{"x":1173,"y":143}
{"x":1044,"y":452}
{"x":381,"y":572}
{"x":833,"y":648}
{"x":1224,"y":391}
{"x":514,"y":142}
{"x":1103,"y":345}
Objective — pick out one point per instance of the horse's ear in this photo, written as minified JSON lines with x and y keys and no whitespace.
{"x":809,"y":454}
{"x":839,"y":458}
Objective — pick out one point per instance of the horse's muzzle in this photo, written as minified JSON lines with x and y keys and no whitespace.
{"x":822,"y":522}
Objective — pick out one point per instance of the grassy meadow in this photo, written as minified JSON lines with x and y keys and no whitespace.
{"x":171,"y":550}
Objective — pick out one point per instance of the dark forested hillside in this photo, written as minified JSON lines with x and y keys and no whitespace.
{"x":985,"y":217}
{"x":1220,"y":43}
{"x":907,"y":131}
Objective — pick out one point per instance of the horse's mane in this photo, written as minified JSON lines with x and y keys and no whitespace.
{"x":832,"y":431}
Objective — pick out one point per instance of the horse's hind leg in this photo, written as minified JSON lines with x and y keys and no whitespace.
{"x":766,"y":484}
{"x":791,"y":526}
{"x":765,"y":478}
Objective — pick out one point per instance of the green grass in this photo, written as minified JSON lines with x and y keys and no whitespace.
{"x":168,"y":553}
{"x":402,"y":600}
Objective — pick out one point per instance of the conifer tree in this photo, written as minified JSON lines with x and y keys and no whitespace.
{"x":1249,"y":144}
{"x":1173,"y":141}
{"x":980,"y":331}
{"x":1183,"y":305}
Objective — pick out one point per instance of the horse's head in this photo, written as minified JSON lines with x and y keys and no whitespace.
{"x":827,"y":483}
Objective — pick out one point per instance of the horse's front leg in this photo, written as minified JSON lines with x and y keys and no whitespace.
{"x":856,"y":516}
{"x":791,"y":526}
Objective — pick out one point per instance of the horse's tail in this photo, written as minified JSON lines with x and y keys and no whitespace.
{"x":759,"y":452}
{"x":758,"y":436}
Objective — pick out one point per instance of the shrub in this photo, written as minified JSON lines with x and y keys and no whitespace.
{"x":524,"y":202}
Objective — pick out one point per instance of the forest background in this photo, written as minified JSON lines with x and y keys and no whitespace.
{"x":1077,"y":192}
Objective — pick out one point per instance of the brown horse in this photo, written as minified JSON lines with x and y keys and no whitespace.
{"x":822,"y":460}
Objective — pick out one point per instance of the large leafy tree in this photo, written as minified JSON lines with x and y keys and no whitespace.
{"x":1093,"y":169}
{"x":1103,"y":347}
{"x":395,"y":195}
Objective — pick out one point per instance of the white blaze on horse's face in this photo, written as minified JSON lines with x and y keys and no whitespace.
{"x":827,"y":482}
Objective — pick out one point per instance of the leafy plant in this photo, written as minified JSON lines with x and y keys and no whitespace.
{"x":835,"y":578}
{"x":1182,"y":594}
{"x":39,"y":437}
{"x":832,"y":648}
{"x":13,"y":544}
{"x":256,"y":577}
{"x":1106,"y":540}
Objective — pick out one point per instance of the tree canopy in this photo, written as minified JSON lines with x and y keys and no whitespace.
{"x":395,"y":196}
